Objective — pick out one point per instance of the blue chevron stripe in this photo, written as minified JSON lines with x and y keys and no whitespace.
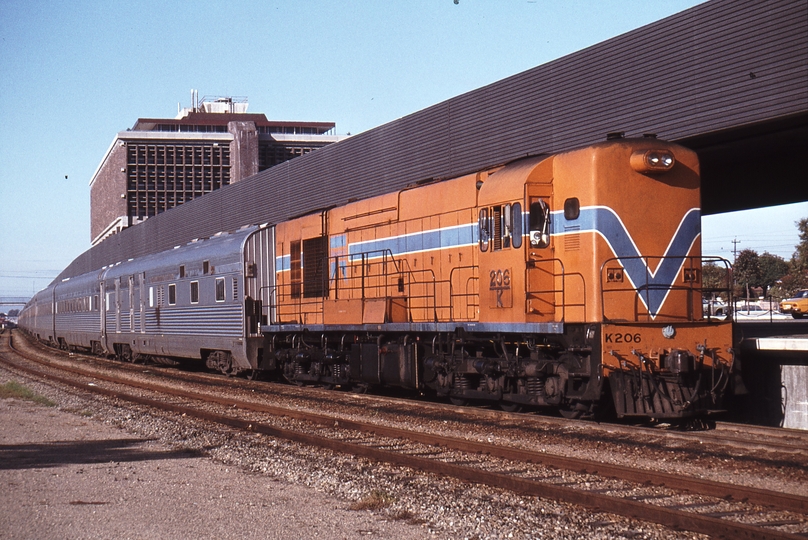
{"x":653,"y":285}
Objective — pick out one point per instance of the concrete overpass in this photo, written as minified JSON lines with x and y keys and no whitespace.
{"x":755,"y":165}
{"x":14,"y":300}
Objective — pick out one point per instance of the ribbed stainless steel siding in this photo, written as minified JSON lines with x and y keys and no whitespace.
{"x":221,"y":320}
{"x":718,"y":65}
{"x":80,"y":327}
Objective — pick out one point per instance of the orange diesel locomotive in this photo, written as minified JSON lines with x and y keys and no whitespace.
{"x":570,"y":281}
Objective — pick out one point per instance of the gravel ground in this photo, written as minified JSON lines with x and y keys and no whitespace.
{"x":69,"y":476}
{"x":119,"y":471}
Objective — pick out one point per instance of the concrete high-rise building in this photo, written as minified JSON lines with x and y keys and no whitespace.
{"x":161,"y":163}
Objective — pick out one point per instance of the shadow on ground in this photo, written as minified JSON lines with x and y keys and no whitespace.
{"x":58,"y":453}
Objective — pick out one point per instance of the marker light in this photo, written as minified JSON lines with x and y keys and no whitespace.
{"x":652,"y":161}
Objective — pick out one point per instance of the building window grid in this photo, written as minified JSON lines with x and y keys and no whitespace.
{"x":162,"y":176}
{"x":270,"y":155}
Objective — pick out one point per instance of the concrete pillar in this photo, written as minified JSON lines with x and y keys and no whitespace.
{"x":795,"y":396}
{"x":243,"y":150}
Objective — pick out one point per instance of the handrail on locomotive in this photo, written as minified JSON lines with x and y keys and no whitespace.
{"x":692,"y":266}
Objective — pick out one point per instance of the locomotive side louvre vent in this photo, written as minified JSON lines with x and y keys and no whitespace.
{"x":235,"y":289}
{"x":572,"y":240}
{"x":315,"y":264}
{"x":497,"y":228}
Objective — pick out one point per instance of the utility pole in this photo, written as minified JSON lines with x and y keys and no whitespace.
{"x":735,"y":250}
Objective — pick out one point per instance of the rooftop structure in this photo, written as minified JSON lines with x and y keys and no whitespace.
{"x":161,"y":163}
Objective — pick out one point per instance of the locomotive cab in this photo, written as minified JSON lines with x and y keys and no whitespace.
{"x":607,"y":284}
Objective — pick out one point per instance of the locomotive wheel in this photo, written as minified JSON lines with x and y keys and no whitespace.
{"x":697,"y":424}
{"x":458,"y":401}
{"x":510,"y":406}
{"x":359,"y":388}
{"x":570,"y":413}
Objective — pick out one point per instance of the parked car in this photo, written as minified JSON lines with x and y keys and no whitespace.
{"x":716,"y":308}
{"x":796,"y":305}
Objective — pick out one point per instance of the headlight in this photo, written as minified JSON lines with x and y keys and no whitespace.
{"x":652,"y":161}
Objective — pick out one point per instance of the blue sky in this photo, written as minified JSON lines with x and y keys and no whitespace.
{"x":73,"y":74}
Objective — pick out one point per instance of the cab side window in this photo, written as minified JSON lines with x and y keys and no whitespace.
{"x":484,"y":226}
{"x":516,"y":225}
{"x":539,"y":224}
{"x":500,"y":227}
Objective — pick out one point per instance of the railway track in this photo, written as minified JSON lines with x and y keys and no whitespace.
{"x":679,"y":502}
{"x":733,"y":436}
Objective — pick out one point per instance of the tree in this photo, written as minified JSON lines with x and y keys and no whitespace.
{"x":797,"y":276}
{"x":772,"y":269}
{"x":747,"y":272}
{"x":714,"y":277}
{"x":799,"y":261}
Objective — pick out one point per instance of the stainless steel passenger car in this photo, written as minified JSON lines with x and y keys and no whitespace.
{"x":200,"y":300}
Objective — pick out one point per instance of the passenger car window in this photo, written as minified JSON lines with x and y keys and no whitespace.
{"x":194,"y":292}
{"x":220,"y":289}
{"x":172,"y":294}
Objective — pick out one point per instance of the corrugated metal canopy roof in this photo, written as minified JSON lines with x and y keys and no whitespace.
{"x":714,"y":68}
